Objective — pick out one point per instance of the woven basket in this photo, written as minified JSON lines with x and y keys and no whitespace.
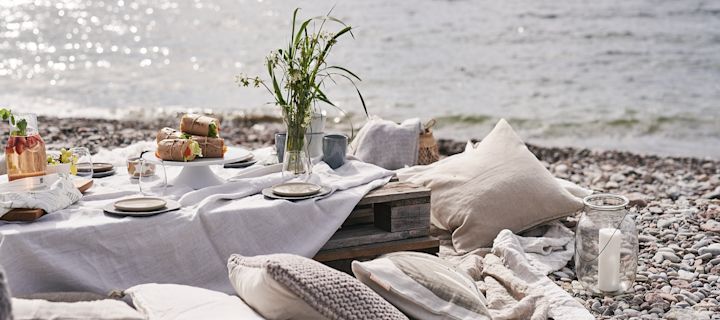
{"x":428,"y":149}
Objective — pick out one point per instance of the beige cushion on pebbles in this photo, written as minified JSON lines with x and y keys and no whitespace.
{"x":423,"y":286}
{"x":284,"y":286}
{"x":497,"y":185}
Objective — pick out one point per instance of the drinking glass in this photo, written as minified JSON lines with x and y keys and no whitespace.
{"x":154,"y":183}
{"x":83,"y":161}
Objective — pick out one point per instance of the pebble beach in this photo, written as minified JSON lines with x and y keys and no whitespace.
{"x":675,"y":202}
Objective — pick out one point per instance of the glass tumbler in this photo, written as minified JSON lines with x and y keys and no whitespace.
{"x":83,"y":162}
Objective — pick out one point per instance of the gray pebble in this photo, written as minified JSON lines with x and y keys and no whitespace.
{"x":713,"y":249}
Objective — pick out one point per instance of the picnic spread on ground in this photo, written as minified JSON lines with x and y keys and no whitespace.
{"x":86,"y":247}
{"x":322,"y":226}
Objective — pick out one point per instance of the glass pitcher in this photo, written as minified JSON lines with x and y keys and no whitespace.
{"x":25,"y":154}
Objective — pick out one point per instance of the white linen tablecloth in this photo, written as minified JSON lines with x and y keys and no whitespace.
{"x":81,"y":248}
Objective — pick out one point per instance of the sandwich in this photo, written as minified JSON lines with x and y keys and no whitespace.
{"x":211,"y":147}
{"x":168,"y":133}
{"x":195,"y":124}
{"x":178,"y":150}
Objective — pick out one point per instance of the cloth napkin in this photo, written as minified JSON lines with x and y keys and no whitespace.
{"x":61,"y":194}
{"x":387,"y":144}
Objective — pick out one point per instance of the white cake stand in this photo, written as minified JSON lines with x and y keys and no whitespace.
{"x":196,"y":174}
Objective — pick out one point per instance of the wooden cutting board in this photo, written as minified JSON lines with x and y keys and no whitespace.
{"x":33,"y":214}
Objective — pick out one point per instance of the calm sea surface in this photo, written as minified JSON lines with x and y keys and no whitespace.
{"x":641,"y":75}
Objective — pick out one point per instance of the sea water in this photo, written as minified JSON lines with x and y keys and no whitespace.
{"x":638,"y":75}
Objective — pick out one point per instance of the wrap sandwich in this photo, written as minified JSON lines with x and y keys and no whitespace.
{"x":178,"y":150}
{"x":211,"y":147}
{"x":168,"y":133}
{"x":198,"y":125}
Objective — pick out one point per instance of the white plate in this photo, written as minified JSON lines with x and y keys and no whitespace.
{"x":233,"y":154}
{"x":296,"y":189}
{"x":268,"y":193}
{"x":171,"y":206}
{"x":142,"y":204}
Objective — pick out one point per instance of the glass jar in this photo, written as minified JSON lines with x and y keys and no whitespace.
{"x":606,"y":245}
{"x":25,"y":154}
{"x":296,"y":158}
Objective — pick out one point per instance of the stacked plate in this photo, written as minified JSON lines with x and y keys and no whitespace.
{"x":101,"y":170}
{"x":141,"y":207}
{"x":241,"y":164}
{"x":295,"y":191}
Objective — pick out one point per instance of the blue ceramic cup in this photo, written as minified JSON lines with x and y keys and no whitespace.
{"x":280,"y":145}
{"x":334,"y":149}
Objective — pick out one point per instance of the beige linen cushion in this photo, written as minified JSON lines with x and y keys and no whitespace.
{"x":497,"y":185}
{"x":97,"y":310}
{"x":180,"y":302}
{"x":423,"y":286}
{"x":284,"y":286}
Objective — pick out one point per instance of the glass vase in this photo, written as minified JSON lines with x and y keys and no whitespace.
{"x":296,"y":160}
{"x":606,"y":245}
{"x":25,"y":155}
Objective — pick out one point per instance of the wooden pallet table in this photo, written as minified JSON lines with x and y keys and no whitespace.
{"x":395,"y":217}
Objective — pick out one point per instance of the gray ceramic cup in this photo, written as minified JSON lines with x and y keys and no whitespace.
{"x":280,"y":145}
{"x":334,"y":149}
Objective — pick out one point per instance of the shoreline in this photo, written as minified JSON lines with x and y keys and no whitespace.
{"x":676,"y":205}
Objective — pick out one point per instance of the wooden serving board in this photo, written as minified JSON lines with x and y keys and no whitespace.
{"x":27,"y":215}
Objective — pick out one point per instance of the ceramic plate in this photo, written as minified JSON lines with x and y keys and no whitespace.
{"x":241,"y":164}
{"x":103,"y":174}
{"x":268,"y":193}
{"x":142,"y":204}
{"x":296,"y":189}
{"x":99,"y":167}
{"x":171,"y":206}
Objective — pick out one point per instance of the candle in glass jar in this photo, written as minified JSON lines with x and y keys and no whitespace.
{"x":609,"y":260}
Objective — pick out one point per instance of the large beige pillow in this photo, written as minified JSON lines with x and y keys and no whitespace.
{"x":497,"y":185}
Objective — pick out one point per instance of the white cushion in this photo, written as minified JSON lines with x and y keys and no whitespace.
{"x":98,"y":310}
{"x":180,"y":302}
{"x":497,"y":185}
{"x":423,"y":286}
{"x":284,"y":286}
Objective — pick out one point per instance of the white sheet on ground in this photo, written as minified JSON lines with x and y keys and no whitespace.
{"x":82,"y":249}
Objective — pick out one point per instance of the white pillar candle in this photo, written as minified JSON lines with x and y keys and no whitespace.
{"x":609,"y":260}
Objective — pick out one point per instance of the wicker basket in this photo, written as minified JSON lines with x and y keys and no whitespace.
{"x":428,"y":149}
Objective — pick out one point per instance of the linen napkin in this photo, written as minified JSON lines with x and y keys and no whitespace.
{"x":61,"y":194}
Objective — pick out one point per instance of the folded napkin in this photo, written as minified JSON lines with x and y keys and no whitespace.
{"x":387,"y":144}
{"x":61,"y":194}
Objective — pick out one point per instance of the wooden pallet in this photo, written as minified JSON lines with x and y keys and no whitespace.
{"x":395,"y":217}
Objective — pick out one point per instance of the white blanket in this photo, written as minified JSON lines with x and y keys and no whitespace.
{"x":82,"y":249}
{"x":513,"y":274}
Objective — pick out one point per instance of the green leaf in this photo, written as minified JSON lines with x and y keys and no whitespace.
{"x":346,"y":70}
